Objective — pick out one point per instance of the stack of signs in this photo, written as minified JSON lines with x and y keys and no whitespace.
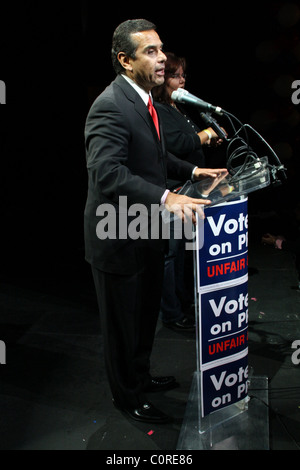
{"x":222,"y":285}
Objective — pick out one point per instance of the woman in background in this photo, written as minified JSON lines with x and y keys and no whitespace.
{"x":185,"y":140}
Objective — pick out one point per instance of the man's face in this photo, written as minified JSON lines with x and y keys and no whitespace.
{"x":147,"y":69}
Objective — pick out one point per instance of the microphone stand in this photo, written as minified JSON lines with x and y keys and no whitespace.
{"x":251,"y":158}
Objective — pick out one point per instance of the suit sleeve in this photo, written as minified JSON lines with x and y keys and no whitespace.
{"x":178,"y":169}
{"x":107,"y":137}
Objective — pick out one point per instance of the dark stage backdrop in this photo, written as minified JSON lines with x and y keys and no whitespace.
{"x":55,"y":59}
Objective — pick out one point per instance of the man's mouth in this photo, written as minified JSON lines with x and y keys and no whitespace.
{"x":160,"y":72}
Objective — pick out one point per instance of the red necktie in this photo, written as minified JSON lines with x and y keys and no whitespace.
{"x":153,"y":113}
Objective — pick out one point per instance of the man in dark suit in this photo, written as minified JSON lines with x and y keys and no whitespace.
{"x":128,"y":164}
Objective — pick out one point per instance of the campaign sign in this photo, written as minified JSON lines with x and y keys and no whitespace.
{"x":224,"y":322}
{"x":224,"y":385}
{"x":222,"y":277}
{"x":223,"y":242}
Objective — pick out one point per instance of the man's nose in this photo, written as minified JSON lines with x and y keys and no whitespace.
{"x":162,"y":57}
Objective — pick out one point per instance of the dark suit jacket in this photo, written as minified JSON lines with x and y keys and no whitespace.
{"x":124,"y":158}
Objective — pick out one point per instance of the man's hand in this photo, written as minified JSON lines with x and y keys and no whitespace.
{"x":185,"y":207}
{"x":200,"y":173}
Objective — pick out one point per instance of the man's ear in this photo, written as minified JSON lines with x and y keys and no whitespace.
{"x":125,"y":61}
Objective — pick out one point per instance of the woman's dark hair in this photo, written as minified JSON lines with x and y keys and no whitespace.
{"x":173,"y":62}
{"x":122,"y":40}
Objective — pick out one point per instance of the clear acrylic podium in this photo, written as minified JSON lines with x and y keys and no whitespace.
{"x":228,"y":404}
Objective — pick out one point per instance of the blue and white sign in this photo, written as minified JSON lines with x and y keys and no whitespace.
{"x":224,"y":384}
{"x":222,"y":276}
{"x":224,"y":251}
{"x":224,"y":325}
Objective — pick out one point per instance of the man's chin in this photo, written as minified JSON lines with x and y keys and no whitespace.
{"x":159,"y":81}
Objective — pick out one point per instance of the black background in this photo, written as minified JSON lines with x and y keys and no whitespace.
{"x":55,"y":59}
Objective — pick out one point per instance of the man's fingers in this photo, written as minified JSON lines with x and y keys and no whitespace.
{"x":186,"y":207}
{"x":188,"y":211}
{"x":204,"y":202}
{"x":200,"y":211}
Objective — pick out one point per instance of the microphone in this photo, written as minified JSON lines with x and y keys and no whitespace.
{"x":183,"y":96}
{"x":211,"y":122}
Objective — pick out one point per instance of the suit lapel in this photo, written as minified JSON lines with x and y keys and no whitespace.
{"x":139,"y":105}
{"x":142,"y":110}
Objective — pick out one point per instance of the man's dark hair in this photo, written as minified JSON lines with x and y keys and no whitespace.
{"x":122,"y":40}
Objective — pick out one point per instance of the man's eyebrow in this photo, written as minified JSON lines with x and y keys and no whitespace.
{"x":154,"y":46}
